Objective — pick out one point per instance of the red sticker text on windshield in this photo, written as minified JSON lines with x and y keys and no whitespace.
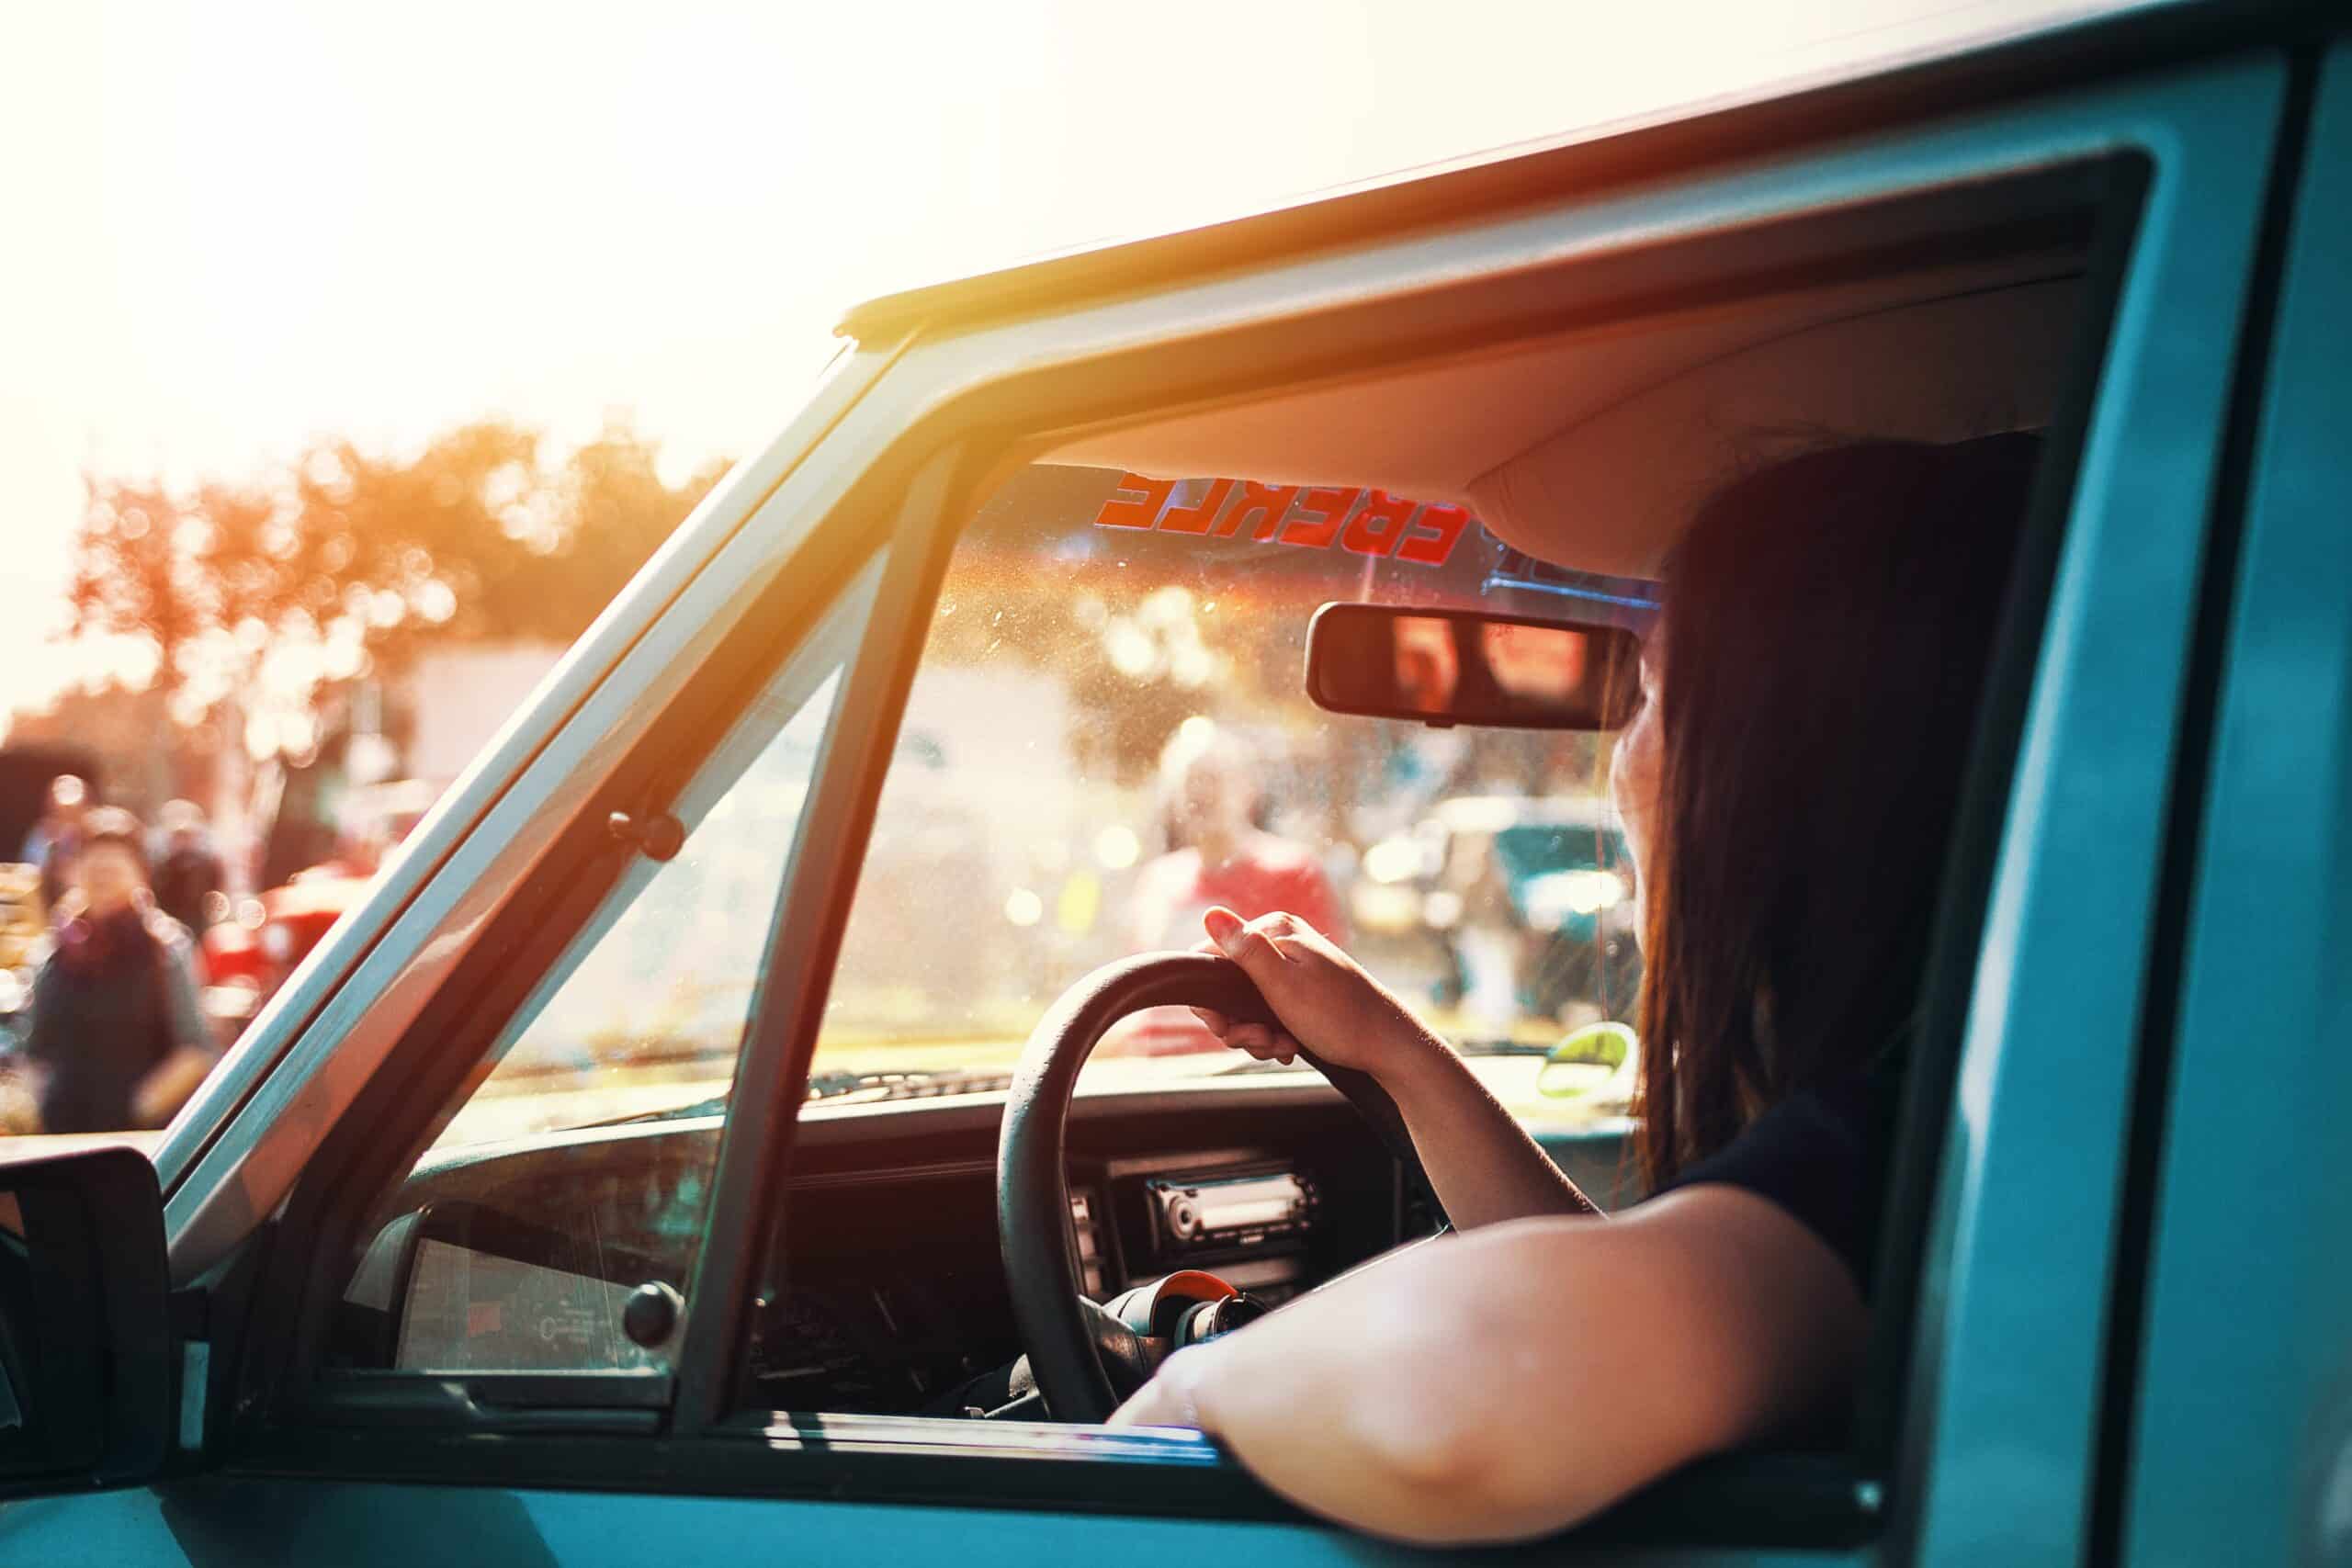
{"x":1368,"y":522}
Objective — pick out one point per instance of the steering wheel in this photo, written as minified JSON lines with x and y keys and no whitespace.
{"x":1058,"y":1325}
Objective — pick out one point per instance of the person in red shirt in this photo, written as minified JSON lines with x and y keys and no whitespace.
{"x":1218,"y":856}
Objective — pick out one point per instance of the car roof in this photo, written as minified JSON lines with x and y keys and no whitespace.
{"x":2003,"y":62}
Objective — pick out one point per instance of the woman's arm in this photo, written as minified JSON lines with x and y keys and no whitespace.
{"x":183,"y":998}
{"x":1485,"y":1167}
{"x":1514,"y":1382}
{"x":173,"y":1081}
{"x":1483,"y":1163}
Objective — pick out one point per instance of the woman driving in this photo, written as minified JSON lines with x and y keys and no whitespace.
{"x":1787,"y":789}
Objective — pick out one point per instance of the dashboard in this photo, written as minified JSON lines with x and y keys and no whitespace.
{"x":883,"y":1292}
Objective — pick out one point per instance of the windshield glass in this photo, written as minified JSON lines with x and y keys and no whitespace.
{"x":1109,"y":732}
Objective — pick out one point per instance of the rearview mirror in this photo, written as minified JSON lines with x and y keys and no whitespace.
{"x":85,"y":1348}
{"x":1449,"y":667}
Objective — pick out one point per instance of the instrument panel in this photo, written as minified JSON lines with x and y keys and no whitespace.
{"x":888,"y":1295}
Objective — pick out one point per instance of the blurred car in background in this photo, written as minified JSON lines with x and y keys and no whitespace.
{"x":1528,"y":904}
{"x":248,"y":956}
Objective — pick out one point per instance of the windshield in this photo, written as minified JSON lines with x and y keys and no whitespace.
{"x":1108,"y":733}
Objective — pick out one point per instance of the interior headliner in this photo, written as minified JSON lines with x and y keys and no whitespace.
{"x":1593,"y":448}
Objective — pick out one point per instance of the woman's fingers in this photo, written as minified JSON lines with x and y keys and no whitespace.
{"x":1213,"y":1021}
{"x":1266,"y":1045}
{"x":1254,"y":1038}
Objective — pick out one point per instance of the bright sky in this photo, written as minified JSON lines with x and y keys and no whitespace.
{"x":234,"y":226}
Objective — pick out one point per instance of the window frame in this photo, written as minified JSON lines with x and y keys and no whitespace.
{"x":2161,"y":143}
{"x":978,"y":390}
{"x":293,"y":1278}
{"x":1833,"y":1518}
{"x":2237,"y":1393}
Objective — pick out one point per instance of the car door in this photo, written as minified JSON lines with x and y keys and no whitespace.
{"x":378,"y":1040}
{"x":2234,"y":1435}
{"x":1999,"y":1374}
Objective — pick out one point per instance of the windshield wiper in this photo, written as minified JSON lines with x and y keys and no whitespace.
{"x":916,"y":1085}
{"x":838,"y":1084}
{"x":716,"y":1106}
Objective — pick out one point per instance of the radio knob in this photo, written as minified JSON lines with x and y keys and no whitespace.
{"x":1183,"y":1219}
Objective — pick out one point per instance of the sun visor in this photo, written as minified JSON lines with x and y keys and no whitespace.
{"x":1613,"y":492}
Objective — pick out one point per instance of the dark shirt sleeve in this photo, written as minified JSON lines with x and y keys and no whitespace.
{"x":40,"y":1015}
{"x":1821,"y":1156}
{"x":183,"y":1000}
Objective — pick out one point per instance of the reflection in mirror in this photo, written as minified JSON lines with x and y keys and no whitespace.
{"x":1448,"y":666}
{"x":482,"y":1291}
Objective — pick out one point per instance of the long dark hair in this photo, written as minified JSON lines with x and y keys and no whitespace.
{"x":1827,"y":625}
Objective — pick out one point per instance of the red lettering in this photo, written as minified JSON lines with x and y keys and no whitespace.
{"x":1430,"y":549}
{"x":1379,"y":526}
{"x":1315,"y":521}
{"x":1260,"y":506}
{"x":1128,"y":509}
{"x":1196,"y":519}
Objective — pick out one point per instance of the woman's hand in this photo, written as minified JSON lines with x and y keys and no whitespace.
{"x":1480,"y":1160}
{"x":1323,"y":999}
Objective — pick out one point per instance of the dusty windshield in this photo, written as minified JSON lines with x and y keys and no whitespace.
{"x":1108,"y":732}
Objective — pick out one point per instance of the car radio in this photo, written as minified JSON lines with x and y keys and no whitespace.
{"x":1197,"y":1213}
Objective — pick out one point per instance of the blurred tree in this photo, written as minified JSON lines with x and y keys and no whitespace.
{"x":133,"y":572}
{"x":279,"y":589}
{"x":616,"y":512}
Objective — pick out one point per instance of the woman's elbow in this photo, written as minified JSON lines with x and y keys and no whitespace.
{"x":1508,"y":1444}
{"x":1444,"y":1459}
{"x":1441,"y":1486}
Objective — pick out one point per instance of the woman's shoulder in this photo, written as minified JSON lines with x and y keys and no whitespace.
{"x":1820,"y":1155}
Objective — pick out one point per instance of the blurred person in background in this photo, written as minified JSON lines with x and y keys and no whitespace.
{"x":188,"y":870}
{"x":1218,"y":857}
{"x":118,"y":1037}
{"x":1489,"y":937}
{"x":57,"y":835}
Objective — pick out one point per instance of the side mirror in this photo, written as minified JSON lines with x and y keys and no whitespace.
{"x":86,"y":1342}
{"x":1449,"y":667}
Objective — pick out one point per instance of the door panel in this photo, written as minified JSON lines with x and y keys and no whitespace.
{"x":228,"y":1524}
{"x":2241,"y":1445}
{"x":2014,"y":1307}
